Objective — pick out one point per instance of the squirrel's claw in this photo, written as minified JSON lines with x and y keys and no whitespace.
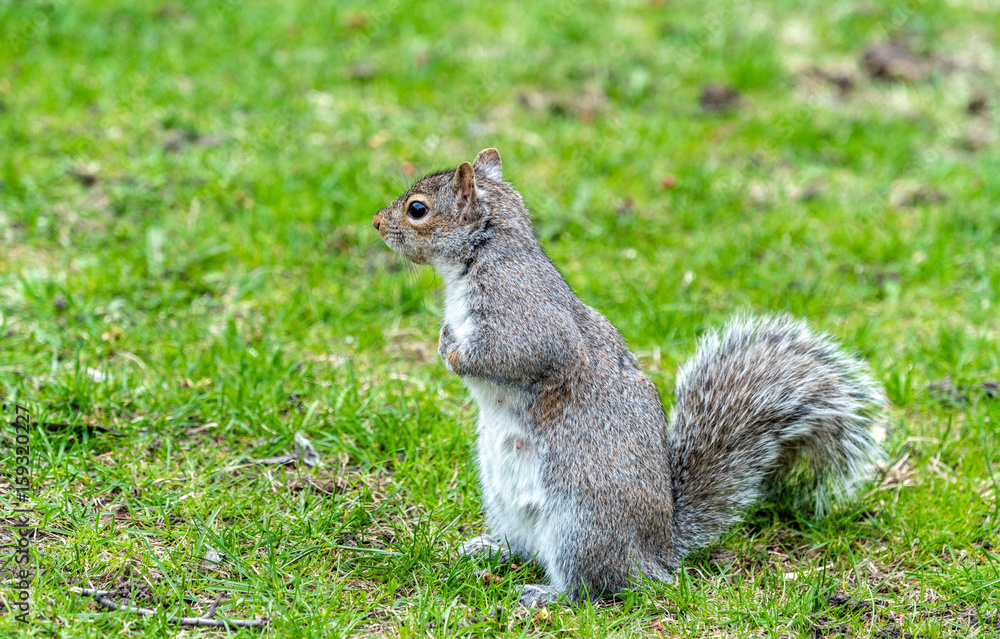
{"x":538,"y":595}
{"x":485,"y":545}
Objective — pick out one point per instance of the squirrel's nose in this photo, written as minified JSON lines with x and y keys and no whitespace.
{"x":376,"y":220}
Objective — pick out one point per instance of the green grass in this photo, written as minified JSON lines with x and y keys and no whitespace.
{"x":186,"y":258}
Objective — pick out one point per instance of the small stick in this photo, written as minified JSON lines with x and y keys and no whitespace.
{"x":210,"y":613}
{"x":101,"y":597}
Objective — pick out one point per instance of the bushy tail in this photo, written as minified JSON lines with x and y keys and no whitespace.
{"x":767,"y":403}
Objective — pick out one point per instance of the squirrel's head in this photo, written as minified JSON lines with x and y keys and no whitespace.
{"x":444,"y":216}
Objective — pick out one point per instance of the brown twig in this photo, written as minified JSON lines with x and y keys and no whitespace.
{"x":210,"y":613}
{"x":101,"y":598}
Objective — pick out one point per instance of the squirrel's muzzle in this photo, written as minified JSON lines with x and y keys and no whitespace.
{"x":377,"y":220}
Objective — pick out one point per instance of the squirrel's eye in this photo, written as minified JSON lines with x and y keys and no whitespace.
{"x":416,"y":210}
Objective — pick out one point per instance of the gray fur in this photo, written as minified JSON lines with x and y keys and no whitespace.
{"x":763,"y":403}
{"x":578,"y":466}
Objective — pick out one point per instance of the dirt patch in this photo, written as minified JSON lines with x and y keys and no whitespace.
{"x":315,"y":485}
{"x":720,"y":557}
{"x":966,"y":617}
{"x":175,"y":139}
{"x":947,"y":391}
{"x":978,"y":104}
{"x":86,"y":173}
{"x":844,"y":602}
{"x":719,"y":98}
{"x":908,"y":194}
{"x":894,"y":60}
{"x":842,"y":79}
{"x":126,"y":589}
{"x":584,"y":105}
{"x":892,"y":632}
{"x":823,"y":627}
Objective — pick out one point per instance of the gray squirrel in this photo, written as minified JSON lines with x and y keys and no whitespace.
{"x":580,"y":469}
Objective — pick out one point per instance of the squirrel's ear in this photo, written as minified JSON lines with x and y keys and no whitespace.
{"x":465,"y":190}
{"x":487,"y":164}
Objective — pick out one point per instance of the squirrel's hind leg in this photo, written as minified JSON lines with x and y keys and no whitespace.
{"x":532,"y":595}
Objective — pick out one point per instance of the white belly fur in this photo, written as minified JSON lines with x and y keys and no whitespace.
{"x":509,"y":454}
{"x":510,"y":468}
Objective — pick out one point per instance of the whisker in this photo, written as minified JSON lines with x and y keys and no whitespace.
{"x":406,"y":180}
{"x":376,"y":263}
{"x":434,"y":152}
{"x":413,"y":277}
{"x":404,"y":186}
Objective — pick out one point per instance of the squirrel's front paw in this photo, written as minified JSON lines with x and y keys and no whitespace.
{"x":448,"y":348}
{"x":451,"y":361}
{"x":538,"y":595}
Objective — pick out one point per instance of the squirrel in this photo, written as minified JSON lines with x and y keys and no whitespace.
{"x":580,"y":468}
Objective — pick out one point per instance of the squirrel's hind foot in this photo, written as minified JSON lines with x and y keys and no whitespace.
{"x":485,"y":545}
{"x":538,"y":595}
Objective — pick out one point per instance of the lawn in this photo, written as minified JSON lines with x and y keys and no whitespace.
{"x":189,"y":277}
